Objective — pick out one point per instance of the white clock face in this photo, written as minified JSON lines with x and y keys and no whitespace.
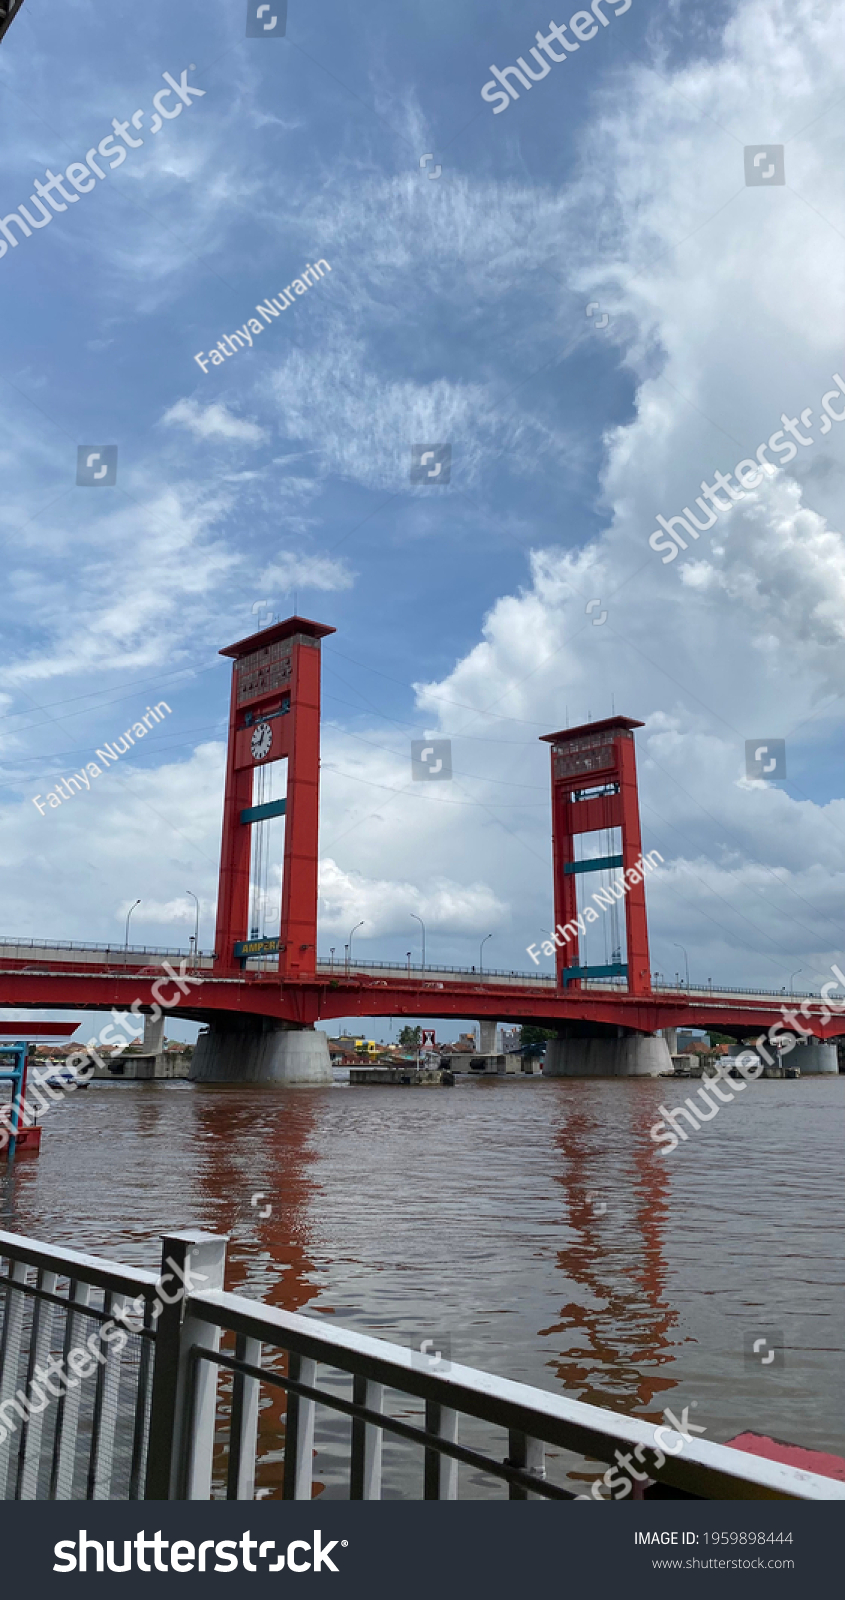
{"x":262,"y":738}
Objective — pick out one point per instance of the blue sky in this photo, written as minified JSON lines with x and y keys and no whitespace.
{"x":455,"y":311}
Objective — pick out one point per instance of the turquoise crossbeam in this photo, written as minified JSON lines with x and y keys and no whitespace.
{"x":600,"y":864}
{"x":616,"y":969}
{"x":273,"y":808}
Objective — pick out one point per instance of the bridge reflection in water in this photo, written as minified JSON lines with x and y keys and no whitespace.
{"x":619,"y":1328}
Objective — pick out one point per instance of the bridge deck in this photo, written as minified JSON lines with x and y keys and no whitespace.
{"x":86,"y":977}
{"x":73,"y":956}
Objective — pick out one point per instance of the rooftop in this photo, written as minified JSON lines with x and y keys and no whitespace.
{"x":272,"y":635}
{"x":591,"y":727}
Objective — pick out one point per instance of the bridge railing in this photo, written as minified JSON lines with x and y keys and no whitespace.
{"x":98,"y":948}
{"x":74,"y":1406}
{"x":175,"y":1415}
{"x":337,"y":969}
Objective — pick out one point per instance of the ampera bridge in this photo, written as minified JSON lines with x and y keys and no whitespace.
{"x":261,"y":999}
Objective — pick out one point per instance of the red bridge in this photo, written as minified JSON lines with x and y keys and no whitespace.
{"x":262,"y":997}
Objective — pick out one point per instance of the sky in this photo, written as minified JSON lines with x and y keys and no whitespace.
{"x":581,"y":295}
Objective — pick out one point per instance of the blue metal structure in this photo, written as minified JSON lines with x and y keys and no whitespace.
{"x":16,"y":1075}
{"x":593,"y":864}
{"x":614,"y":969}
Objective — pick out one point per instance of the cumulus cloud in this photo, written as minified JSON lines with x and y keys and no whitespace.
{"x":453,"y":909}
{"x":726,"y":303}
{"x":743,"y":635}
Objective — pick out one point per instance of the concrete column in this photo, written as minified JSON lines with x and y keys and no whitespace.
{"x":813,"y":1058}
{"x":638,"y":1056}
{"x":489,"y":1028}
{"x":671,"y":1037}
{"x":153,"y":1043}
{"x":257,"y":1050}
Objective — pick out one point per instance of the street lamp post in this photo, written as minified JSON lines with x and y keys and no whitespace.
{"x":481,"y":953}
{"x":196,"y":925}
{"x":422,"y":925}
{"x":349,"y":946}
{"x":126,"y":940}
{"x":686,"y":957}
{"x":331,"y":953}
{"x":794,"y":975}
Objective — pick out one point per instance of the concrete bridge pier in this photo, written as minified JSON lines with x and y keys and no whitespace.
{"x":581,"y":1054}
{"x":153,"y":1041}
{"x":238,"y":1049}
{"x":488,"y":1028}
{"x":813,"y":1057}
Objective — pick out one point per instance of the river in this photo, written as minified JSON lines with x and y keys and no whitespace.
{"x":533,"y":1225}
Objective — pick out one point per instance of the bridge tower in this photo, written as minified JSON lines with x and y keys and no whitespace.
{"x":594,"y":788}
{"x":274,"y":714}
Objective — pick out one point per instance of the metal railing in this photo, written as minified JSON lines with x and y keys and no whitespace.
{"x":179,"y":1417}
{"x":60,"y":1437}
{"x":337,"y":969}
{"x":100,"y":948}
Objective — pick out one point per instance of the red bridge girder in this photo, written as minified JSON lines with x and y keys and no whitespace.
{"x":306,"y":1001}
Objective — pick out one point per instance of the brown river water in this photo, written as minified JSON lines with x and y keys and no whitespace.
{"x":534,"y":1225}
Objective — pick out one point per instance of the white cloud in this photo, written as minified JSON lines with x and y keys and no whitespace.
{"x":448,"y":908}
{"x":154,"y":570}
{"x":214,"y":421}
{"x":288,"y":571}
{"x":742,"y":638}
{"x":727,"y":304}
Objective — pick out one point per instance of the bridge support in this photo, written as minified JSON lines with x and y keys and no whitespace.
{"x":632,"y":1056}
{"x":274,"y":716}
{"x":488,"y":1028}
{"x":153,"y":1042}
{"x":594,"y":791}
{"x":257,"y":1050}
{"x":814,"y":1057}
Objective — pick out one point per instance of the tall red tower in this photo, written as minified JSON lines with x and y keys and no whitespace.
{"x":274,"y":714}
{"x":594,"y":789}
